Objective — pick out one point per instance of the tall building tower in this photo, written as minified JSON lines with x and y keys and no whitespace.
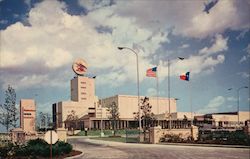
{"x":83,"y":90}
{"x":28,"y":115}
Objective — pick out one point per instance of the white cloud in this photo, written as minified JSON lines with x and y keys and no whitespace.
{"x":242,"y":34}
{"x":28,"y":3}
{"x":3,"y":21}
{"x":192,"y":21}
{"x":184,"y":46}
{"x":232,"y":99}
{"x":213,"y":105}
{"x":55,"y":38}
{"x":245,"y":57}
{"x":46,"y":49}
{"x":151,"y":92}
{"x":220,"y":44}
{"x":203,"y":62}
{"x":244,"y":74}
{"x":91,"y":5}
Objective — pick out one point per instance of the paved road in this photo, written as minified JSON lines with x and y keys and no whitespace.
{"x":94,"y":149}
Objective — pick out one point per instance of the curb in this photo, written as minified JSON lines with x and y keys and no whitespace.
{"x":72,"y":157}
{"x":207,"y":145}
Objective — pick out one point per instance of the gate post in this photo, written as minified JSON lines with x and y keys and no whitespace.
{"x":155,"y":134}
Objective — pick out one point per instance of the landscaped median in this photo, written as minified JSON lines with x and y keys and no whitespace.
{"x":98,"y":132}
{"x":116,"y":139}
{"x":37,"y":149}
{"x":125,"y":136}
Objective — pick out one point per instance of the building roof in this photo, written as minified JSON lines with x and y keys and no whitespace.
{"x":17,"y":130}
{"x":225,"y":113}
{"x":135,"y":96}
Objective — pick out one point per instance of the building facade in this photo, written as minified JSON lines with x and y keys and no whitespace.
{"x":127,"y":107}
{"x":84,"y":110}
{"x":28,"y":115}
{"x":83,"y":101}
{"x":128,"y":104}
{"x":227,"y":120}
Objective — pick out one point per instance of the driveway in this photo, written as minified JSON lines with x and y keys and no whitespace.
{"x":96,"y":149}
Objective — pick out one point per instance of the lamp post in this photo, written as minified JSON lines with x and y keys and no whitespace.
{"x":138,"y":85}
{"x":238,"y":102}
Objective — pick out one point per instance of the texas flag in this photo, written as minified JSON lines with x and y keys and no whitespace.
{"x":185,"y":77}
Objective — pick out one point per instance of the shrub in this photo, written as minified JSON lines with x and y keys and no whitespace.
{"x":35,"y":148}
{"x":7,"y":150}
{"x":22,"y":151}
{"x":64,"y":147}
{"x":37,"y":142}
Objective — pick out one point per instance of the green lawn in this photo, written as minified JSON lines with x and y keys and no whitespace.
{"x":117,"y":139}
{"x":108,"y":132}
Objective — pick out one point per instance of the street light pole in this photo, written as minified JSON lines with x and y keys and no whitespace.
{"x":102,"y":134}
{"x":238,"y":102}
{"x":138,"y":84}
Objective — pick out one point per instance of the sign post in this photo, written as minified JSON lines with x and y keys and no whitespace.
{"x":51,"y":137}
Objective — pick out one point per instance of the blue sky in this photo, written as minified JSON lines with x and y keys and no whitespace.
{"x":41,"y":39}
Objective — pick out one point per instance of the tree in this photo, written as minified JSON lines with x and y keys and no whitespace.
{"x":147,"y":116}
{"x":185,"y":121}
{"x":8,"y":111}
{"x":44,"y":120}
{"x":71,"y":120}
{"x":114,"y":115}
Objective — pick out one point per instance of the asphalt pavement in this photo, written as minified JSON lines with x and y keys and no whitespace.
{"x":97,"y":149}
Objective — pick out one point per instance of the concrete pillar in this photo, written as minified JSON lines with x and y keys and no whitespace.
{"x":155,"y":134}
{"x":194,"y":132}
{"x":90,"y":124}
{"x":98,"y":124}
{"x":62,"y":134}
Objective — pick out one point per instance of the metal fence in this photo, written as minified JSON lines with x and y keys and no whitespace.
{"x":132,"y":135}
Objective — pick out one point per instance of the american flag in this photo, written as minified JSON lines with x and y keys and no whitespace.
{"x":151,"y":72}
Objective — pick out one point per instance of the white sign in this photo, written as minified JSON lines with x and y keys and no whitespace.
{"x":79,"y":66}
{"x":51,"y":137}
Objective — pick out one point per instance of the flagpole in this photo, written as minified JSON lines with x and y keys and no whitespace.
{"x":157,"y":89}
{"x":191,"y":105}
{"x":170,"y":126}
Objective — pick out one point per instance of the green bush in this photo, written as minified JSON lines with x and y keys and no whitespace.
{"x":37,"y":142}
{"x":106,"y":132}
{"x":22,"y":151}
{"x":35,"y":148}
{"x":63,"y":147}
{"x":7,"y":150}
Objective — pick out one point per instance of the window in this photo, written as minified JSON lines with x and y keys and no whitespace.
{"x":84,"y":93}
{"x":27,"y":113}
{"x":83,"y":98}
{"x":83,"y":87}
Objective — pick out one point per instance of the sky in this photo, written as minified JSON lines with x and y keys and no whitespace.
{"x":39,"y":40}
